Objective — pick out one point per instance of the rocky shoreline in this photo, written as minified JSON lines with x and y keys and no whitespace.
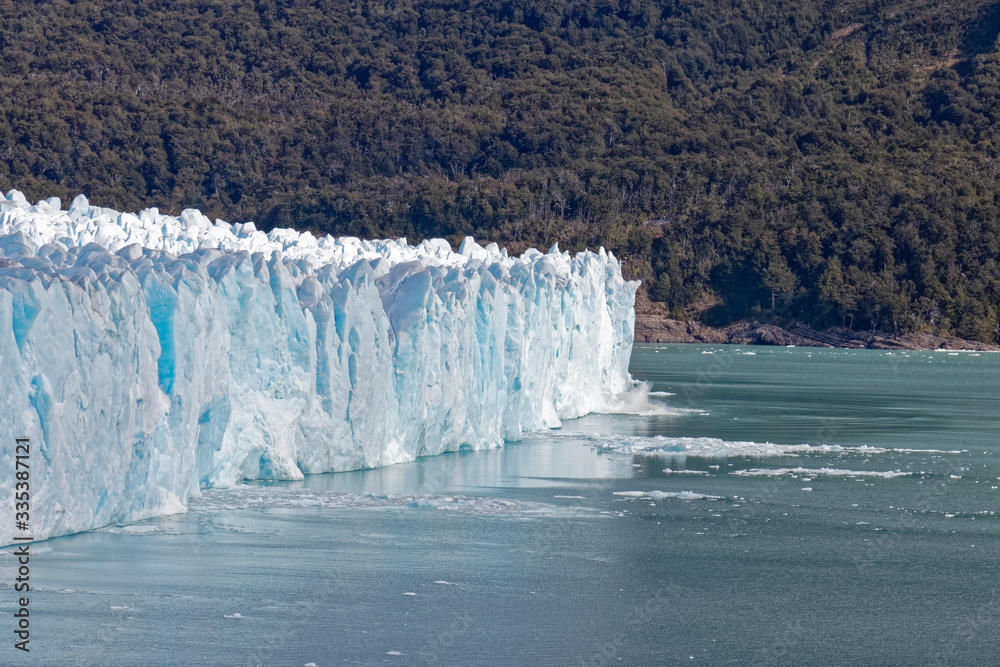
{"x":653,"y":325}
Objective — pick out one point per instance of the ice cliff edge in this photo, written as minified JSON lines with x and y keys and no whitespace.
{"x":147,"y":356}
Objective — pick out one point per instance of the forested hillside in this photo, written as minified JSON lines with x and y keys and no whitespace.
{"x":829,"y":162}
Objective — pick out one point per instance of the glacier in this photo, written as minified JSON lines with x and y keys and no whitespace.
{"x":148,"y":356}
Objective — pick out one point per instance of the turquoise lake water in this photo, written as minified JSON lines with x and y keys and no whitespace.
{"x":766,"y":506}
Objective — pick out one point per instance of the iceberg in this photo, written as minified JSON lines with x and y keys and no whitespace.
{"x":146,"y":357}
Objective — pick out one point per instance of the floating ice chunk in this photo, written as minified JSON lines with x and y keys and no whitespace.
{"x":703,"y":447}
{"x":668,"y":446}
{"x":683,"y":495}
{"x":867,"y":449}
{"x":830,"y":472}
{"x":660,"y":495}
{"x":137,"y":530}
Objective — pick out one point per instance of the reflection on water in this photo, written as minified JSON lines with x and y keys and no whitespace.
{"x":535,"y":462}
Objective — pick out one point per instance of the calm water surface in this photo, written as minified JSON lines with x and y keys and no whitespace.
{"x":779,"y":506}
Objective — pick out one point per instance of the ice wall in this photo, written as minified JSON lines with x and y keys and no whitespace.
{"x":147,"y":356}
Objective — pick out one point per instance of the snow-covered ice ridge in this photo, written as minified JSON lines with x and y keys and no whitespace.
{"x":147,"y":356}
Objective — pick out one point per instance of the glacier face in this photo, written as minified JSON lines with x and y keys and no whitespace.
{"x":148,"y":356}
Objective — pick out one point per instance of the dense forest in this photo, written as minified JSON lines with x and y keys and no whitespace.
{"x":827,"y":162}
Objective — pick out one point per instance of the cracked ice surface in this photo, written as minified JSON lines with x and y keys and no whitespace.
{"x":149,"y":356}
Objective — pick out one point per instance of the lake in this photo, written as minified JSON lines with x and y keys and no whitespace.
{"x":765,"y":505}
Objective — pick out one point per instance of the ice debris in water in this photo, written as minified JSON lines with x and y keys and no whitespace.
{"x":714,"y":448}
{"x":148,"y":356}
{"x":661,"y":495}
{"x":831,"y":472}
